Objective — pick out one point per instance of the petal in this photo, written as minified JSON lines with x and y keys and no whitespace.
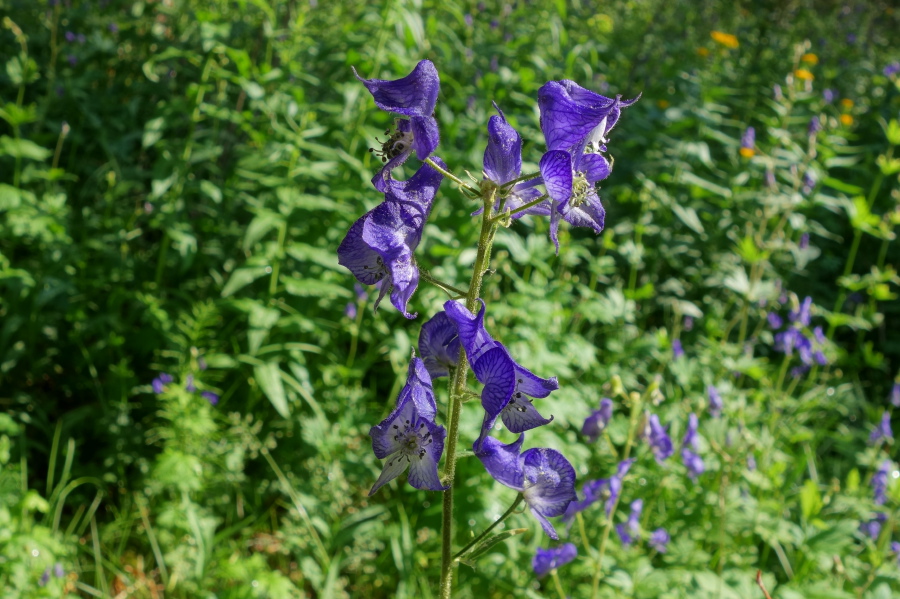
{"x":545,"y":524}
{"x":556,"y":170}
{"x":472,"y":334}
{"x":439,"y":345}
{"x":416,"y":194}
{"x":520,"y":415}
{"x":534,"y":386}
{"x":503,"y":155}
{"x":418,"y":388}
{"x":595,"y":167}
{"x":386,"y":233}
{"x":393,"y":468}
{"x":423,"y":469}
{"x":518,"y":198}
{"x":413,"y":95}
{"x":358,"y":257}
{"x":589,"y":213}
{"x":384,"y":435}
{"x":496,"y":370}
{"x":549,"y":480}
{"x":426,"y":136}
{"x":503,"y":462}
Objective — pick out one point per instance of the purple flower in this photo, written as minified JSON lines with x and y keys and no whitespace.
{"x":575,"y":123}
{"x":409,"y":437}
{"x":690,"y":434}
{"x":882,"y":431}
{"x":872,"y":528}
{"x":809,"y":181}
{"x":189,"y":385}
{"x":58,"y":570}
{"x":658,"y":439}
{"x":802,"y":315}
{"x":379,"y":246}
{"x":468,"y":19}
{"x":45,"y":578}
{"x":804,"y":241}
{"x":503,"y":163}
{"x":692,"y":461}
{"x":607,"y":489}
{"x":748,"y":139}
{"x":350,"y":310}
{"x":413,"y":96}
{"x":751,"y":462}
{"x":212,"y":398}
{"x":551,"y":559}
{"x":629,"y":531}
{"x":545,"y":478}
{"x":715,"y":401}
{"x":70,"y":36}
{"x":880,"y":482}
{"x":439,"y":345}
{"x":828,"y":95}
{"x":814,"y":126}
{"x":891,"y":69}
{"x":688,"y":323}
{"x":160,"y":382}
{"x":895,"y":395}
{"x":596,"y":423}
{"x":776,"y":93}
{"x":659,"y":540}
{"x":677,"y":350}
{"x":113,"y":28}
{"x":508,"y":387}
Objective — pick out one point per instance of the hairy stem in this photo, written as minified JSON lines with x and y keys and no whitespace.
{"x":521,"y":208}
{"x":449,"y":175}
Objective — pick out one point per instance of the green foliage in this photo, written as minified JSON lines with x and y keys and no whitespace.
{"x":172,"y":192}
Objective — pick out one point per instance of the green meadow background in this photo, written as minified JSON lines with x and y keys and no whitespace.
{"x":175,"y":177}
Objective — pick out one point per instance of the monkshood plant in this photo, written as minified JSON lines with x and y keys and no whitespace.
{"x":379,"y":249}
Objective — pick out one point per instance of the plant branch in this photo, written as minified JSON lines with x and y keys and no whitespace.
{"x":521,"y":208}
{"x":426,"y":276}
{"x":488,"y":530}
{"x":448,"y":174}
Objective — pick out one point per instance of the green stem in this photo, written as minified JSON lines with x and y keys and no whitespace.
{"x":527,"y":177}
{"x":426,"y":276}
{"x":449,"y":175}
{"x":521,"y":208}
{"x":457,"y":391}
{"x":488,"y":530}
{"x":558,"y":584}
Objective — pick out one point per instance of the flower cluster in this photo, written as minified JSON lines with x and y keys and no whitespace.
{"x":160,"y":385}
{"x":796,"y":336}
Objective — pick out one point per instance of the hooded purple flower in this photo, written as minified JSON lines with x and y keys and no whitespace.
{"x":658,"y":439}
{"x":552,"y":559}
{"x":629,"y":531}
{"x":775,"y":321}
{"x":659,"y":540}
{"x":828,"y":95}
{"x":814,"y":126}
{"x":677,"y":349}
{"x":891,"y":69}
{"x":545,"y":478}
{"x":596,"y":423}
{"x":503,"y":163}
{"x":379,"y":246}
{"x":439,"y":345}
{"x":880,"y":482}
{"x":575,"y":123}
{"x":413,"y":96}
{"x":802,"y":314}
{"x":872,"y":528}
{"x":409,"y":437}
{"x":748,"y":139}
{"x":882,"y":431}
{"x":189,"y":385}
{"x":692,"y":461}
{"x":160,"y":382}
{"x":607,"y":489}
{"x":508,"y":387}
{"x":212,"y":398}
{"x":895,"y":395}
{"x":715,"y":401}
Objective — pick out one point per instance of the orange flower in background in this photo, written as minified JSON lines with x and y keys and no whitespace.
{"x":662,"y":103}
{"x":810,"y":58}
{"x":804,"y":75}
{"x":846,"y":103}
{"x":846,"y":119}
{"x":747,"y":152}
{"x":703,"y":51}
{"x":726,"y":39}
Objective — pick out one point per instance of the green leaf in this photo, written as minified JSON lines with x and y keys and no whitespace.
{"x":211,"y":190}
{"x":242,"y":277}
{"x":269,"y":378}
{"x":153,"y":131}
{"x":689,"y":217}
{"x":260,"y":225}
{"x":23,"y":148}
{"x":810,"y":499}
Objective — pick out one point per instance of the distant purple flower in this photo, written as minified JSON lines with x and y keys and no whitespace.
{"x":409,"y":437}
{"x":439,"y":345}
{"x":692,"y":461}
{"x":804,"y":241}
{"x":776,"y":93}
{"x":775,"y":320}
{"x":350,"y":310}
{"x":552,"y":559}
{"x":748,"y":139}
{"x":596,"y":423}
{"x":544,"y":476}
{"x":658,"y":439}
{"x":495,"y":64}
{"x":630,"y":530}
{"x":73,"y":60}
{"x":659,"y":540}
{"x":802,"y":314}
{"x":45,"y":578}
{"x":677,"y":350}
{"x":809,"y":181}
{"x":113,"y":28}
{"x":880,"y":482}
{"x":872,"y":528}
{"x":882,"y":431}
{"x":212,"y":398}
{"x":828,"y":95}
{"x":413,"y":96}
{"x":891,"y":69}
{"x":895,"y":395}
{"x":751,"y":462}
{"x":70,"y":36}
{"x":508,"y":387}
{"x":160,"y":382}
{"x":605,"y":489}
{"x":189,"y":384}
{"x":715,"y":401}
{"x":469,"y":20}
{"x":688,"y":323}
{"x":814,"y":126}
{"x":851,"y":38}
{"x":379,"y":246}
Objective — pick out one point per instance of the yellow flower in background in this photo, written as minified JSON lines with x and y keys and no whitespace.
{"x":704,"y":52}
{"x":846,"y":119}
{"x":726,"y":39}
{"x":810,"y":58}
{"x":804,"y":75}
{"x":747,"y":152}
{"x":846,"y":103}
{"x":662,"y":103}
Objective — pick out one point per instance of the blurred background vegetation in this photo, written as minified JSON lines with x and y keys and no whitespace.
{"x":175,"y":177}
